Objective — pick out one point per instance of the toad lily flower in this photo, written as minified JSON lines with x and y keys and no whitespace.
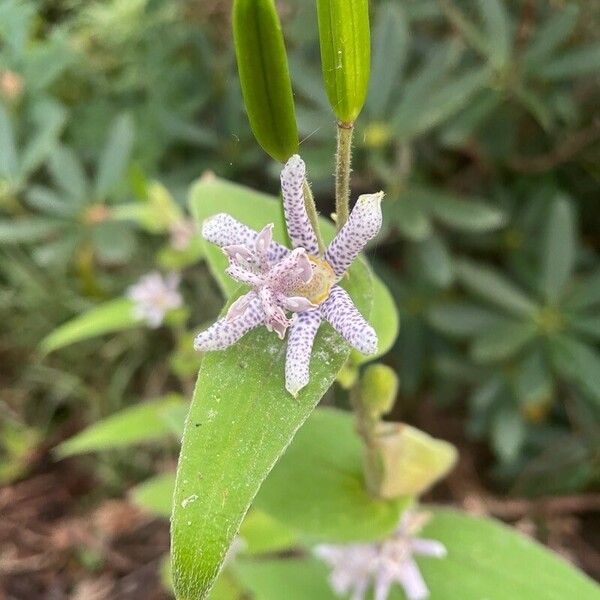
{"x":298,"y":281}
{"x":387,"y":562}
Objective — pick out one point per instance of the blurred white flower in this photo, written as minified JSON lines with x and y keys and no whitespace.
{"x":385,"y":563}
{"x":154,"y":295}
{"x":181,"y":233}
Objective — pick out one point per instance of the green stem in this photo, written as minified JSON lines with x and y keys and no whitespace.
{"x":342,"y":172}
{"x":313,"y":215}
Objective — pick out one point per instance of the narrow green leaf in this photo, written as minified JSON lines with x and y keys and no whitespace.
{"x":507,"y":433}
{"x":133,"y":425}
{"x":558,"y":254}
{"x":498,"y":35}
{"x":572,"y":63}
{"x":318,"y":489}
{"x":553,"y":32}
{"x":48,"y":201}
{"x":28,"y":230}
{"x":578,"y":362}
{"x":115,"y":156}
{"x":390,"y":42}
{"x":345,"y":54}
{"x":109,"y":317}
{"x":408,"y":216}
{"x":241,"y":418}
{"x":155,"y":494}
{"x":503,"y":340}
{"x":461,"y":319}
{"x":435,"y":261}
{"x":585,"y":293}
{"x":533,"y":385}
{"x":264,"y":77}
{"x":9,"y":163}
{"x":587,"y":326}
{"x":68,"y":173}
{"x":494,"y":287}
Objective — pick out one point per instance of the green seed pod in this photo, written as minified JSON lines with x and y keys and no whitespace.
{"x":378,"y":389}
{"x":264,"y":77}
{"x":345,"y":54}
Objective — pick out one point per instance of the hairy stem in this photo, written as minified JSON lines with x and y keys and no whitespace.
{"x":342,"y":172}
{"x":313,"y":215}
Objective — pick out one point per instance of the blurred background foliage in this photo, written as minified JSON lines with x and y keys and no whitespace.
{"x":481,"y":126}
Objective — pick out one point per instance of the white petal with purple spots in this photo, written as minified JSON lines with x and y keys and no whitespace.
{"x":300,"y":342}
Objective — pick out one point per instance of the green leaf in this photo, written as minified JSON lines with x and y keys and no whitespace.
{"x":155,"y":494}
{"x":585,"y":293}
{"x":345,"y":54}
{"x":301,"y":578}
{"x":507,"y":433}
{"x":68,"y":173}
{"x":533,"y":385}
{"x":498,"y":36}
{"x":28,"y":230}
{"x":553,"y":32}
{"x":133,"y":425}
{"x":435,"y":261}
{"x":587,"y":326}
{"x":47,"y":201}
{"x":241,"y":418}
{"x":409,"y":217}
{"x":472,"y":215}
{"x":263,"y":534}
{"x":558,"y":254}
{"x":493,"y":287}
{"x":109,"y":317}
{"x":487,"y":559}
{"x":115,"y":156}
{"x":264,"y":77}
{"x":572,"y":63}
{"x":318,"y":489}
{"x":9,"y":162}
{"x":461,"y":319}
{"x":503,"y":340}
{"x":384,"y":319}
{"x":390,"y":43}
{"x":577,"y":362}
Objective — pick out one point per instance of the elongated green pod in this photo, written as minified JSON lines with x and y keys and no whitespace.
{"x":264,"y":77}
{"x":345,"y":54}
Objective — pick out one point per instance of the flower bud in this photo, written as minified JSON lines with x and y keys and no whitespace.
{"x":378,"y":389}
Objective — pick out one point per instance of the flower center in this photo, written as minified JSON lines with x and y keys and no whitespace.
{"x":320,"y":284}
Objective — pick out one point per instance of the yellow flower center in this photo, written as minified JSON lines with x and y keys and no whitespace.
{"x":320,"y":284}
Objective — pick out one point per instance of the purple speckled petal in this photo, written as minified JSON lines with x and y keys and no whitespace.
{"x":224,"y":230}
{"x":300,"y":342}
{"x":299,"y":228}
{"x":340,"y":311}
{"x":292,"y":271}
{"x":239,"y":307}
{"x":263,"y":243}
{"x":225,"y":333}
{"x":243,"y":275}
{"x":363,"y":225}
{"x":297,"y":303}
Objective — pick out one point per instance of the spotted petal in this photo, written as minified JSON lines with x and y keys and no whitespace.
{"x":299,"y":347}
{"x":363,"y":225}
{"x":226,"y":332}
{"x":223,"y":230}
{"x":291,"y":272}
{"x":344,"y":317}
{"x":300,"y":230}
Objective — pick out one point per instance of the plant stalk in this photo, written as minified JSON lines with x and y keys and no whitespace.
{"x":342,"y":172}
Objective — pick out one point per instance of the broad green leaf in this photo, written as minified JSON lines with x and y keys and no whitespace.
{"x":461,"y":319}
{"x":558,"y":255}
{"x":264,"y":77}
{"x":493,"y":287}
{"x":487,"y":559}
{"x":241,"y":418}
{"x":578,"y":362}
{"x":572,"y":63}
{"x":28,"y":230}
{"x":345,"y":54}
{"x":503,"y":340}
{"x":301,"y":578}
{"x":156,"y":494}
{"x":507,"y":433}
{"x":318,"y":488}
{"x":133,"y":425}
{"x":553,"y":32}
{"x":109,"y":317}
{"x":115,"y":156}
{"x":472,"y":215}
{"x":390,"y":42}
{"x":9,"y":162}
{"x":384,"y":319}
{"x":262,"y":534}
{"x":497,"y":24}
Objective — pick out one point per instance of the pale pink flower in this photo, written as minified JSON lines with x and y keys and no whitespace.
{"x":154,"y":296}
{"x":299,"y":282}
{"x":385,"y":563}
